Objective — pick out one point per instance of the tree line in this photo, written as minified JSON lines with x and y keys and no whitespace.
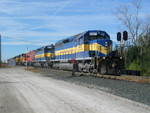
{"x":137,"y":52}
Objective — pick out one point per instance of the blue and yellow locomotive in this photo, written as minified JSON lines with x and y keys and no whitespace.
{"x":44,"y":55}
{"x":92,"y":52}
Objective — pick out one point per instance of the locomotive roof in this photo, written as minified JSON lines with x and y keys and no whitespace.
{"x":75,"y":37}
{"x":51,"y":45}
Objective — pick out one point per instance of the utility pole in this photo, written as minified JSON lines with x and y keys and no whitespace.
{"x":0,"y":51}
{"x":26,"y":58}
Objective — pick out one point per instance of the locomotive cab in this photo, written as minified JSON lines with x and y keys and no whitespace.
{"x":98,"y":56}
{"x":99,"y":42}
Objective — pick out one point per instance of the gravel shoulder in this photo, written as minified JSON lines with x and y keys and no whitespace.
{"x":27,"y":92}
{"x":138,"y":92}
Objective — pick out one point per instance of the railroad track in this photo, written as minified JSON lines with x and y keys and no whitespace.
{"x":133,"y":78}
{"x":125,"y":77}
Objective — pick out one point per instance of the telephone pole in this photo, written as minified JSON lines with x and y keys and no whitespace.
{"x":26,"y":57}
{"x":0,"y":51}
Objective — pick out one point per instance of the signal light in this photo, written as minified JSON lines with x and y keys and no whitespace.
{"x":125,"y":35}
{"x":118,"y":36}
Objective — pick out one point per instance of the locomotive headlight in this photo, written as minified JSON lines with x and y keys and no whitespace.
{"x":106,"y":43}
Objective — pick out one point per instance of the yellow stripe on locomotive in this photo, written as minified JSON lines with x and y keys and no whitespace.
{"x":51,"y":55}
{"x":85,"y":47}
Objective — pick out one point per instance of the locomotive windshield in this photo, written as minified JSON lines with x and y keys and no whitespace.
{"x":98,"y":35}
{"x":48,"y":49}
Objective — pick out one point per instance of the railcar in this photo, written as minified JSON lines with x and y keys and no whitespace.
{"x":44,"y":55}
{"x":29,"y":58}
{"x":17,"y":59}
{"x":91,"y":51}
{"x":20,"y":59}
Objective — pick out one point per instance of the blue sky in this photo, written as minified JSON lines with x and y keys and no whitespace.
{"x":35,"y":23}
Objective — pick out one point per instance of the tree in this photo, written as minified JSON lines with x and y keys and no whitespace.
{"x":146,"y":26}
{"x":144,"y":38}
{"x":138,"y":55}
{"x":128,"y":14}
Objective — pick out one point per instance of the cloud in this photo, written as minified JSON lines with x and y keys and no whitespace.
{"x":17,"y":7}
{"x":53,"y":20}
{"x":50,"y":26}
{"x":26,"y":43}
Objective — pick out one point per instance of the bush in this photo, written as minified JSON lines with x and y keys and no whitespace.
{"x":137,"y":60}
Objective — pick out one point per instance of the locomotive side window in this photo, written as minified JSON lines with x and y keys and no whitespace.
{"x":59,"y":44}
{"x":86,"y":38}
{"x":80,"y":41}
{"x":66,"y":41}
{"x":40,"y":49}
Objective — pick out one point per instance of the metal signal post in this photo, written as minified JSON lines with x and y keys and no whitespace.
{"x":121,"y":40}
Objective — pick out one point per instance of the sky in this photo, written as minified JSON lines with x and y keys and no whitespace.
{"x":35,"y":23}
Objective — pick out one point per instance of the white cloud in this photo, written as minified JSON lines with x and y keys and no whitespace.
{"x":25,"y":43}
{"x":53,"y":20}
{"x":62,"y":25}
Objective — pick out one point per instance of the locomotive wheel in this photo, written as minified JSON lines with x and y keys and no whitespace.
{"x":103,"y":67}
{"x":103,"y":70}
{"x":91,"y":69}
{"x":86,"y":69}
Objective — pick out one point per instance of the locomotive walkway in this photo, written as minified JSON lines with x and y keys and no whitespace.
{"x":27,"y":92}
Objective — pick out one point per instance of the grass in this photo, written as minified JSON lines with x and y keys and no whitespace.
{"x":4,"y":66}
{"x":33,"y":69}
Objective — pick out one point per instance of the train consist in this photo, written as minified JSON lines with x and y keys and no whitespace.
{"x":89,"y":51}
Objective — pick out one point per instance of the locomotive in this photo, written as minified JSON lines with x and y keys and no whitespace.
{"x":89,"y":51}
{"x":44,"y":55}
